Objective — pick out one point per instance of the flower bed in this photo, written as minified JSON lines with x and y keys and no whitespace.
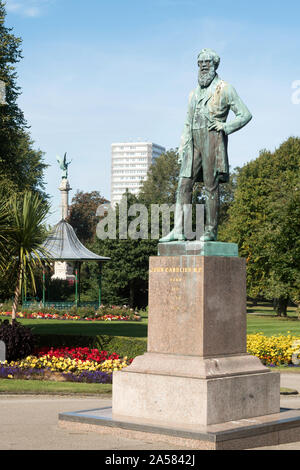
{"x":43,"y":316}
{"x":94,"y":366}
{"x":65,"y":316}
{"x":69,"y":364}
{"x":104,"y":313}
{"x":274,"y":350}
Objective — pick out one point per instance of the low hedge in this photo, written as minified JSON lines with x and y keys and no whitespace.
{"x":122,"y":345}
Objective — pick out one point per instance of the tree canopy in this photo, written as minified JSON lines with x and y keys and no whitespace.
{"x":162,"y":179}
{"x":264,"y":219}
{"x":21,"y":167}
{"x":83,"y":216}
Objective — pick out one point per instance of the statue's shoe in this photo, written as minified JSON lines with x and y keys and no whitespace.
{"x":208,"y":236}
{"x":173,"y":237}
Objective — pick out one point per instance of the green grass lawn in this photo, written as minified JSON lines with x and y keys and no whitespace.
{"x":261,"y":318}
{"x":137,"y":329}
{"x":270,"y":325}
{"x":46,"y":387}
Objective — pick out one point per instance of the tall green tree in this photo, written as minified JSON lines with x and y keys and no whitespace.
{"x":20,"y":165}
{"x":264,"y":220}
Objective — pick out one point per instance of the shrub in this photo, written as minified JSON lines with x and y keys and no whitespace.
{"x":122,"y":345}
{"x":6,"y":306}
{"x":19,"y":340}
{"x":83,"y":312}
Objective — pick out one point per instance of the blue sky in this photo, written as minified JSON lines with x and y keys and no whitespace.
{"x":97,"y":71}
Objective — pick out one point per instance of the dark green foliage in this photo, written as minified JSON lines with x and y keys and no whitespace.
{"x":18,"y":339}
{"x":130,"y":347}
{"x":21,"y":167}
{"x":60,"y":341}
{"x":264,"y":220}
{"x":227,"y":195}
{"x":83,"y":214}
{"x":162,"y":180}
{"x":122,"y":345}
{"x":58,"y":290}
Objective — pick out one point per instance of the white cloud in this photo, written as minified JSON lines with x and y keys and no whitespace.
{"x":27,"y":8}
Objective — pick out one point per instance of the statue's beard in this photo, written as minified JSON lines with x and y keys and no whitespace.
{"x":205,"y":78}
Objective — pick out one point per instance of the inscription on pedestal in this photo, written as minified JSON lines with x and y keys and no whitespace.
{"x":196,"y":304}
{"x":176,"y":281}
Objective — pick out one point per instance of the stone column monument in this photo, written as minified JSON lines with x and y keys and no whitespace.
{"x":196,"y":370}
{"x":62,"y":269}
{"x":65,"y":187}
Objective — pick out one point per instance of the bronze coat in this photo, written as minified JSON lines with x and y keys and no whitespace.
{"x":206,"y":106}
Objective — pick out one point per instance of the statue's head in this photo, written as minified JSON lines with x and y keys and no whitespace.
{"x":208,"y":63}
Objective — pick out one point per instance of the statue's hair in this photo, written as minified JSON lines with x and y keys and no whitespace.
{"x":212,"y":54}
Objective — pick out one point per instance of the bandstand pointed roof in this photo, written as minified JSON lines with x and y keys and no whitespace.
{"x":63,"y":245}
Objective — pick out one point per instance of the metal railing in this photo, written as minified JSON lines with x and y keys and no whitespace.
{"x":58,"y":305}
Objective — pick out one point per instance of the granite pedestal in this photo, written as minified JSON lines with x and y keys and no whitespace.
{"x":196,"y":369}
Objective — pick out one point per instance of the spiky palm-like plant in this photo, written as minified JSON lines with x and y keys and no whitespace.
{"x":26,"y":234}
{"x":4,"y":234}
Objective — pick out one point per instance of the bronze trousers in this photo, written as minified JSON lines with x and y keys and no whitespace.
{"x":204,"y":158}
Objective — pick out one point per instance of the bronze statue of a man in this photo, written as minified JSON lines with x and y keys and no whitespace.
{"x":203,"y":149}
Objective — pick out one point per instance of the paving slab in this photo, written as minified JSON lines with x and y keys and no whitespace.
{"x":31,"y":423}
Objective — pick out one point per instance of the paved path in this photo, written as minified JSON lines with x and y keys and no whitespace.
{"x":31,"y":423}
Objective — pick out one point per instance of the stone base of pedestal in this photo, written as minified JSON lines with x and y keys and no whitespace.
{"x":177,"y":390}
{"x":270,"y":430}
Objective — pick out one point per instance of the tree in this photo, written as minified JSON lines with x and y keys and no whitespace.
{"x":161,"y":184}
{"x":20,"y":164}
{"x":83,"y":214}
{"x":25,"y":236}
{"x":227,"y":191}
{"x":264,"y":220}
